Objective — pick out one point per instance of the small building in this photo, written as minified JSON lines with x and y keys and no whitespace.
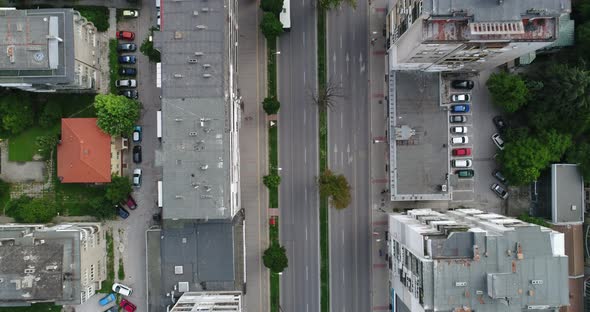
{"x":469,"y":260}
{"x":48,"y":50}
{"x":228,"y":301}
{"x":64,"y":264}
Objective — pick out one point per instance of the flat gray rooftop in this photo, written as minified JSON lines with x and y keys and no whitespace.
{"x":567,"y":194}
{"x":418,"y":165}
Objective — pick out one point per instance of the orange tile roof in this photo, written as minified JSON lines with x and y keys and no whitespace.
{"x":84,"y":155}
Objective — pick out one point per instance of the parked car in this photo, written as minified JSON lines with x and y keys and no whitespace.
{"x":122,"y":212}
{"x":132,"y":94}
{"x":127,"y":306}
{"x":130,"y":13}
{"x":125,"y":35}
{"x":130,"y":202}
{"x":107,"y":299}
{"x":459,"y":130}
{"x":459,"y":140}
{"x":122,"y":289}
{"x":112,"y":309}
{"x":462,"y":84}
{"x":465,"y":173}
{"x":461,"y":163}
{"x":498,"y":141}
{"x":158,"y":18}
{"x":126,"y":71}
{"x":460,"y":97}
{"x":127,"y":59}
{"x":137,"y":177}
{"x":137,"y":134}
{"x":498,"y":175}
{"x":457,"y":119}
{"x":126,"y":83}
{"x":126,"y":47}
{"x":499,"y":123}
{"x":462,"y":151}
{"x":460,"y":108}
{"x":137,"y":154}
{"x":499,"y":190}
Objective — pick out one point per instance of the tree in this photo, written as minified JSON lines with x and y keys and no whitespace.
{"x":509,"y":92}
{"x":147,"y":49}
{"x":50,"y":115}
{"x":46,"y":144}
{"x":118,"y":189}
{"x":327,"y":95}
{"x":567,"y":91}
{"x":583,"y":38}
{"x":16,"y":113}
{"x":271,"y":105}
{"x":116,"y":113}
{"x":270,"y":26}
{"x":522,"y":160}
{"x":275,"y":258}
{"x":273,"y":6}
{"x":331,"y":4}
{"x":31,"y":210}
{"x":578,"y":154}
{"x":556,"y":143}
{"x":336,"y":187}
{"x":272,"y":180}
{"x":101,"y":208}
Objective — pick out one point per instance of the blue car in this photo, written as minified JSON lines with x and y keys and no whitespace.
{"x":460,"y":108}
{"x":107,"y":299}
{"x":122,"y":212}
{"x":127,"y":59}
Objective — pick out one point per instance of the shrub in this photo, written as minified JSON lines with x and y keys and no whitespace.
{"x":271,"y":105}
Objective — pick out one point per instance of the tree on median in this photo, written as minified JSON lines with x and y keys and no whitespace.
{"x":275,"y":258}
{"x":336,"y":187}
{"x":116,"y":114}
{"x":271,"y":105}
{"x":273,"y":6}
{"x":326,"y":96}
{"x":270,"y":26}
{"x":272,"y":180}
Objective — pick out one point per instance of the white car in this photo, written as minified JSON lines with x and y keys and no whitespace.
{"x":137,"y":177}
{"x":122,"y":289}
{"x":130,"y":13}
{"x":459,"y":130}
{"x":460,"y":97}
{"x":498,"y":141}
{"x":126,"y":83}
{"x":461,"y":163}
{"x":459,"y":140}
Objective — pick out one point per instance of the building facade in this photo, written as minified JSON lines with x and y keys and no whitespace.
{"x":469,"y":260}
{"x":469,"y":35}
{"x":48,"y":50}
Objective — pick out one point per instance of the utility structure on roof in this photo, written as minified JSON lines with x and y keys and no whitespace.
{"x":469,"y":260}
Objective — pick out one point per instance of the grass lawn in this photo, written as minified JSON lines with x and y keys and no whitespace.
{"x":107,"y":285}
{"x":38,"y":307}
{"x":273,"y":154}
{"x":274,"y":292}
{"x":113,"y":64}
{"x":121,"y":271}
{"x":271,"y":47}
{"x":22,"y":147}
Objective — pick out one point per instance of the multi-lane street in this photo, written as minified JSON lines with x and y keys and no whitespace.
{"x":348,"y":146}
{"x":298,"y":159}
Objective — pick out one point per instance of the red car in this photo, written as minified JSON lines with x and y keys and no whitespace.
{"x":127,"y":306}
{"x":461,"y":151}
{"x":130,"y":202}
{"x":125,"y":35}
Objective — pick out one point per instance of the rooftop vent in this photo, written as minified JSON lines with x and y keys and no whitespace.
{"x":199,"y":53}
{"x":177,"y":75}
{"x":201,"y":27}
{"x":206,"y":66}
{"x":205,"y":9}
{"x":204,"y":167}
{"x":192,"y":133}
{"x":193,"y":61}
{"x":206,"y":75}
{"x":196,"y":13}
{"x":178,"y":119}
{"x":177,"y":35}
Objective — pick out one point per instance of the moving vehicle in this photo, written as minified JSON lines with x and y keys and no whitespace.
{"x":137,"y":154}
{"x":460,"y":108}
{"x":285,"y":15}
{"x":126,"y":83}
{"x":127,"y":59}
{"x":137,"y":134}
{"x":127,"y":306}
{"x":465,"y":173}
{"x":160,"y":194}
{"x":125,"y":35}
{"x":137,"y":177}
{"x":498,"y":175}
{"x":122,"y":289}
{"x":107,"y":299}
{"x":132,"y":94}
{"x":462,"y":151}
{"x":499,"y":123}
{"x":127,"y":47}
{"x":122,"y":212}
{"x":127,"y":71}
{"x":459,"y":130}
{"x":459,"y":140}
{"x":499,"y":190}
{"x":130,"y":202}
{"x":461,"y":163}
{"x":130,"y":13}
{"x":498,"y":141}
{"x":462,"y":84}
{"x":159,"y":124}
{"x":457,"y":119}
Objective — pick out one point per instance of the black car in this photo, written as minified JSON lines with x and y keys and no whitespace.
{"x":498,"y":175}
{"x":122,"y":212}
{"x":137,"y":154}
{"x":127,"y":47}
{"x":132,"y":94}
{"x":462,"y":84}
{"x":499,"y":123}
{"x":457,"y":119}
{"x":126,"y":71}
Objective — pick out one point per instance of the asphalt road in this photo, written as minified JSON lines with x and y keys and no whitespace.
{"x":298,"y":159}
{"x":348,"y":145}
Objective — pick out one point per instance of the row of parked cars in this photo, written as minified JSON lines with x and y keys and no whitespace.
{"x":127,"y":59}
{"x":460,"y":105}
{"x":498,"y":188}
{"x":125,"y":304}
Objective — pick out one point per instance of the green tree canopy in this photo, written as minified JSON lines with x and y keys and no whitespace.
{"x":116,"y":114}
{"x":273,"y":6}
{"x":580,"y":154}
{"x":336,"y":187}
{"x":522,"y":160}
{"x":101,"y":208}
{"x":46,"y":144}
{"x":147,"y":49}
{"x":118,"y":189}
{"x":270,"y":26}
{"x":275,"y":258}
{"x":567,"y":90}
{"x":16,"y":114}
{"x":331,"y":4}
{"x":509,"y":92}
{"x":271,"y":105}
{"x":31,"y":210}
{"x":272,"y":180}
{"x":51,"y":114}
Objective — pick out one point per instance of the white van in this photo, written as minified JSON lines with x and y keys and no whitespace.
{"x":158,"y":4}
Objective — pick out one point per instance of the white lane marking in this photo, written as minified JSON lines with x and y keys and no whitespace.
{"x":305,"y":155}
{"x":303,"y":38}
{"x":342,"y":275}
{"x":306,"y":233}
{"x":335,"y":148}
{"x":306,"y":272}
{"x":334,"y":61}
{"x":342,"y":120}
{"x":307,"y":307}
{"x":303,"y":3}
{"x":305,"y":194}
{"x":340,"y":41}
{"x":342,"y":237}
{"x":342,"y":159}
{"x":347,"y":63}
{"x":361,"y":63}
{"x":304,"y":116}
{"x":303,"y":77}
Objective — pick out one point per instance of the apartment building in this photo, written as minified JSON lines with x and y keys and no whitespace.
{"x":64,"y":264}
{"x":469,"y":260}
{"x":48,"y":50}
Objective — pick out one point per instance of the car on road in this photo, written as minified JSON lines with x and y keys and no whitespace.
{"x":499,"y":123}
{"x":125,"y":35}
{"x":498,"y":141}
{"x":459,"y":140}
{"x":460,"y":108}
{"x":131,"y":94}
{"x":122,"y":289}
{"x":130,"y":13}
{"x":459,"y":130}
{"x":137,"y":134}
{"x":465,"y":173}
{"x":123,"y":213}
{"x":457,"y":118}
{"x":462,"y":151}
{"x":137,"y":177}
{"x":498,"y":175}
{"x":127,"y":306}
{"x":107,"y":299}
{"x":126,"y":83}
{"x":127,"y":47}
{"x":461,"y":163}
{"x":137,"y":154}
{"x":460,"y":97}
{"x":462,"y":84}
{"x":127,"y":71}
{"x":127,"y":59}
{"x":499,"y":190}
{"x":130,"y":202}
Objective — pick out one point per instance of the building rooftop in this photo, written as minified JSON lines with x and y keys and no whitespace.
{"x":226,"y":301}
{"x":567,"y":194}
{"x":84,"y":154}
